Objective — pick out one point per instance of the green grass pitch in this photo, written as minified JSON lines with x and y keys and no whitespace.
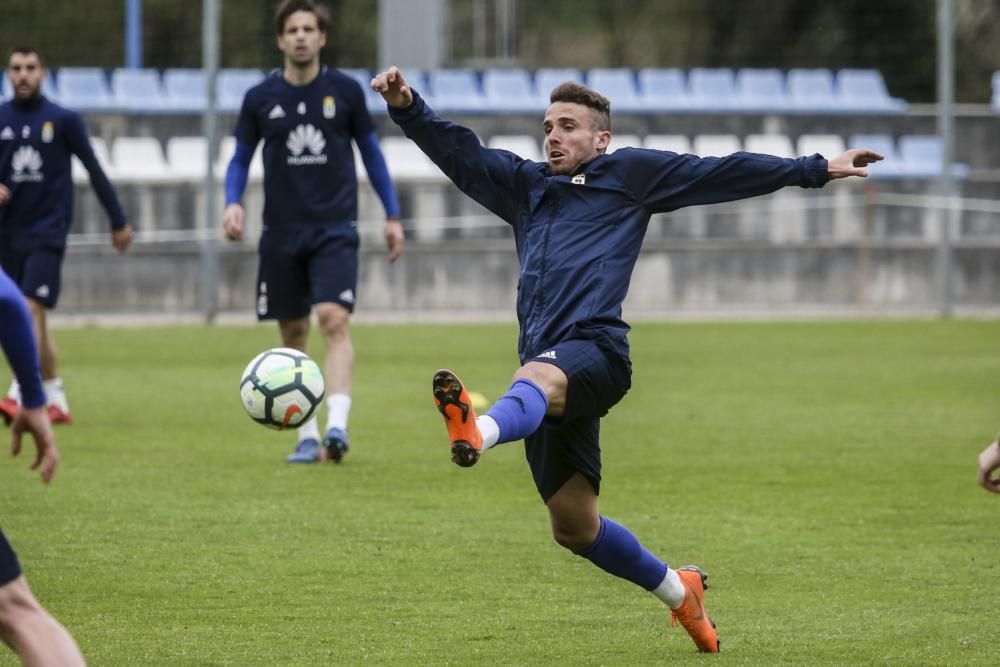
{"x":822,"y":473}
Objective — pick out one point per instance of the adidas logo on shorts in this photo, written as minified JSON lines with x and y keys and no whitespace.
{"x":551,"y":354}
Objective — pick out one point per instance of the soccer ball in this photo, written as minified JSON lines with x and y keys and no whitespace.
{"x":281,"y":388}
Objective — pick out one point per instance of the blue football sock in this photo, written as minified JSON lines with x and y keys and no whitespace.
{"x":520,"y":411}
{"x":616,"y":550}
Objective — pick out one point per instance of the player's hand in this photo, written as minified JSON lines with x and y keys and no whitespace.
{"x":121,"y":239}
{"x":394,"y":238}
{"x":393,"y":87}
{"x":4,"y":194}
{"x":36,"y":422}
{"x":852,"y":163}
{"x":232,"y":222}
{"x":989,"y":462}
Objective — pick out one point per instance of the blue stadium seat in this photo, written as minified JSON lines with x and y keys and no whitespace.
{"x":548,"y":78}
{"x":456,"y":90}
{"x":373,"y":100}
{"x":890,"y":167}
{"x":232,"y":84}
{"x":921,"y":155}
{"x":864,"y":90}
{"x":618,"y":85}
{"x":185,"y":90}
{"x":84,"y":89}
{"x":811,"y":90}
{"x":663,"y":89}
{"x":761,"y":90}
{"x":511,"y":90}
{"x":712,"y":89}
{"x":137,"y":90}
{"x":996,"y":90}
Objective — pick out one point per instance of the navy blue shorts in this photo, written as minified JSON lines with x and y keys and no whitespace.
{"x":10,"y":569}
{"x":304,"y":266}
{"x":570,"y":444}
{"x":37,"y":272}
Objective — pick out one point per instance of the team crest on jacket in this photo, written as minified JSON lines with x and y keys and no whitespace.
{"x":579,"y":179}
{"x":47,"y":132}
{"x":329,"y":107}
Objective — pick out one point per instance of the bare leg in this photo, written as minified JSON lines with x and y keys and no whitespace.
{"x":46,"y":346}
{"x":295,"y":333}
{"x":334,"y":323}
{"x":34,"y":635}
{"x":574,"y":515}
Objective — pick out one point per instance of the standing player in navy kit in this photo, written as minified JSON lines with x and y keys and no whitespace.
{"x":307,"y":116}
{"x":37,"y":140}
{"x":579,"y":219}
{"x":34,"y":635}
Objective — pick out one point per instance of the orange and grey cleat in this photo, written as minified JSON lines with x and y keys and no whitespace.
{"x":8,"y":409}
{"x":58,"y":416}
{"x":453,"y":402}
{"x":691,"y":614}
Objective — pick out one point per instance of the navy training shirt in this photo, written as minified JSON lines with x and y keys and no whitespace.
{"x":309,"y":174}
{"x":578,"y":236}
{"x":37,"y":140}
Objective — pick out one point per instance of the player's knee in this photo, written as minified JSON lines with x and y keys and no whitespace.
{"x":17,"y":605}
{"x":334,"y":319}
{"x":572,"y":529}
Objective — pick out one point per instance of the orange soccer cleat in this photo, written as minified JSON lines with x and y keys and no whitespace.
{"x":57,"y":415}
{"x":8,"y":409}
{"x":453,"y":402}
{"x":691,"y":614}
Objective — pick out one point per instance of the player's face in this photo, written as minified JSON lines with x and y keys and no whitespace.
{"x":301,"y":39}
{"x":570,"y":137}
{"x":26,"y":74}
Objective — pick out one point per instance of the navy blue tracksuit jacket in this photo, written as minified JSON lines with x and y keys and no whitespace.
{"x":578,"y":236}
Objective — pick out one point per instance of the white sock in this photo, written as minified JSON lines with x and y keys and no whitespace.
{"x":337,"y":407}
{"x":54,"y":394}
{"x":489,"y":429}
{"x":671,"y":590}
{"x":14,"y":391}
{"x":309,"y":430}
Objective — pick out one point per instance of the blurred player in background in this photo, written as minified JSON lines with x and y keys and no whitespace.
{"x":579,"y":221}
{"x":37,"y":141}
{"x":989,"y":463}
{"x":34,"y":635}
{"x":307,"y":116}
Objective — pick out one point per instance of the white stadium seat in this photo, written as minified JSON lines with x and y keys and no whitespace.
{"x":524,"y":146}
{"x":675,"y":143}
{"x":769,"y":144}
{"x":716,"y":145}
{"x":624,"y":141}
{"x":100,"y":147}
{"x":407,"y":162}
{"x":827,"y":145}
{"x":139,"y":159}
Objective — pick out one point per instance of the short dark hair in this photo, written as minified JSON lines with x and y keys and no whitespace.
{"x":580,"y":94}
{"x":25,"y":50}
{"x":289,"y":7}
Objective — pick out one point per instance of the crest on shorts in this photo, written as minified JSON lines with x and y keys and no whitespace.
{"x":329,"y":107}
{"x":579,"y":179}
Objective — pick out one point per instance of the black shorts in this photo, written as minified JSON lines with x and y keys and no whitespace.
{"x":570,"y":444}
{"x":10,"y":569}
{"x":303,"y":266}
{"x":38,"y":272}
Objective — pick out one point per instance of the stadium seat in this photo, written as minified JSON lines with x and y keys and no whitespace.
{"x":618,"y":85}
{"x":811,"y":90}
{"x":761,"y":90}
{"x":663,"y":90}
{"x":456,"y":90}
{"x":80,"y":174}
{"x":548,"y":78}
{"x":827,"y":145}
{"x":227,"y":146}
{"x":511,"y":90}
{"x":769,"y":144}
{"x":712,"y":89}
{"x":137,"y":90}
{"x":232,"y":85}
{"x":186,"y":157}
{"x":675,"y":143}
{"x":185,"y":90}
{"x":139,"y":159}
{"x":624,"y":141}
{"x":84,"y":89}
{"x":407,"y":162}
{"x":373,"y":100}
{"x":890,"y":167}
{"x":523,"y":145}
{"x":864,"y":90}
{"x":716,"y":145}
{"x":921,"y":155}
{"x":996,"y":90}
